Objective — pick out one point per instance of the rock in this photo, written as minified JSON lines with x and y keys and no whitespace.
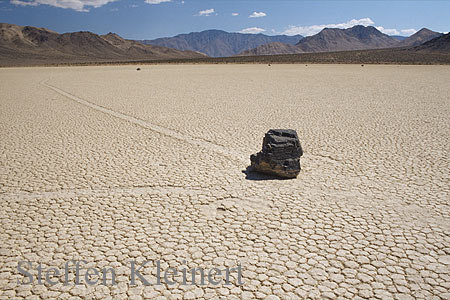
{"x":280,"y":154}
{"x":138,"y":69}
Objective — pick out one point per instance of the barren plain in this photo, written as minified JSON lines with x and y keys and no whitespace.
{"x":109,"y":165}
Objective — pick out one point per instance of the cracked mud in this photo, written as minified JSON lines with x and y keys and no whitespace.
{"x":108,"y":165}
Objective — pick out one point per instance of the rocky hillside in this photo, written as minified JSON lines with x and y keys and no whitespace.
{"x":271,"y":49}
{"x":218,"y":43}
{"x":440,"y":44}
{"x":26,"y":42}
{"x":355,"y":38}
{"x":420,"y":37}
{"x":333,"y":39}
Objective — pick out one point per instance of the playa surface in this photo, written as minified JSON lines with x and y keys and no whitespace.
{"x":111,"y":165}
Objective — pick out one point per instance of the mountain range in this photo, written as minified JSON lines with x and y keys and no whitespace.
{"x":218,"y":43}
{"x":26,"y":42}
{"x":22,"y":45}
{"x":334,"y":39}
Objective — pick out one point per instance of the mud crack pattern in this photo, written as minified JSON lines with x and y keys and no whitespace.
{"x":109,"y":165}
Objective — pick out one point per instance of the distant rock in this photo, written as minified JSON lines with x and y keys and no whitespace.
{"x":280,"y":154}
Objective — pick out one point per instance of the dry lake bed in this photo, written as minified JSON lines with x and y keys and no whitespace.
{"x":129,"y":174}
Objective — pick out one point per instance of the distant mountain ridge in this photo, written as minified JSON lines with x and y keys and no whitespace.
{"x":27,"y":42}
{"x":399,"y":37}
{"x":272,"y":49}
{"x":334,"y":39}
{"x":218,"y":43}
{"x":420,"y":37}
{"x":25,"y":45}
{"x":355,"y":38}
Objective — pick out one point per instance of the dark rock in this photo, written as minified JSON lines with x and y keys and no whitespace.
{"x":138,"y":69}
{"x":280,"y":154}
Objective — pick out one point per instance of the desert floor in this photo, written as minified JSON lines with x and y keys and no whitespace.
{"x":110,"y":165}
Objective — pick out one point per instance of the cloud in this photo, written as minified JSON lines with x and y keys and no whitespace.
{"x":23,"y":3}
{"x":253,"y":30}
{"x":235,"y":14}
{"x":313,"y":29}
{"x":408,"y":32}
{"x":392,"y":31}
{"x":156,"y":1}
{"x":388,"y":31}
{"x":257,"y":14}
{"x":205,"y":13}
{"x":78,"y":5}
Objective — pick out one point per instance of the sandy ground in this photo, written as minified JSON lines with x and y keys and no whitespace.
{"x":109,"y":165}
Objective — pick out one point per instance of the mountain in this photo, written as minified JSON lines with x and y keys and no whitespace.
{"x":22,"y":43}
{"x":399,"y":37}
{"x":356,"y":38}
{"x":420,"y":37}
{"x":439,"y":44}
{"x":218,"y":43}
{"x":271,"y":49}
{"x":334,"y":39}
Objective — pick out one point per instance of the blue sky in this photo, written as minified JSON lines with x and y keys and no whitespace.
{"x":148,"y":19}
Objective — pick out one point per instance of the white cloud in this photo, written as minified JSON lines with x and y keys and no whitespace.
{"x":235,"y":14}
{"x":23,"y":3}
{"x":78,"y":5}
{"x":206,"y":12}
{"x":253,"y":30}
{"x":387,"y":30}
{"x":257,"y":14}
{"x":408,"y":32}
{"x":313,"y":29}
{"x":156,"y":1}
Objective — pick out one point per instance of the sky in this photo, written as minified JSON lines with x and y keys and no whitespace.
{"x":149,"y":19}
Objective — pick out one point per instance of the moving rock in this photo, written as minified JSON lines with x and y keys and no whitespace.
{"x":280,"y":154}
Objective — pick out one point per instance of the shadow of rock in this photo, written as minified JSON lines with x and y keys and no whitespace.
{"x":252,"y":175}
